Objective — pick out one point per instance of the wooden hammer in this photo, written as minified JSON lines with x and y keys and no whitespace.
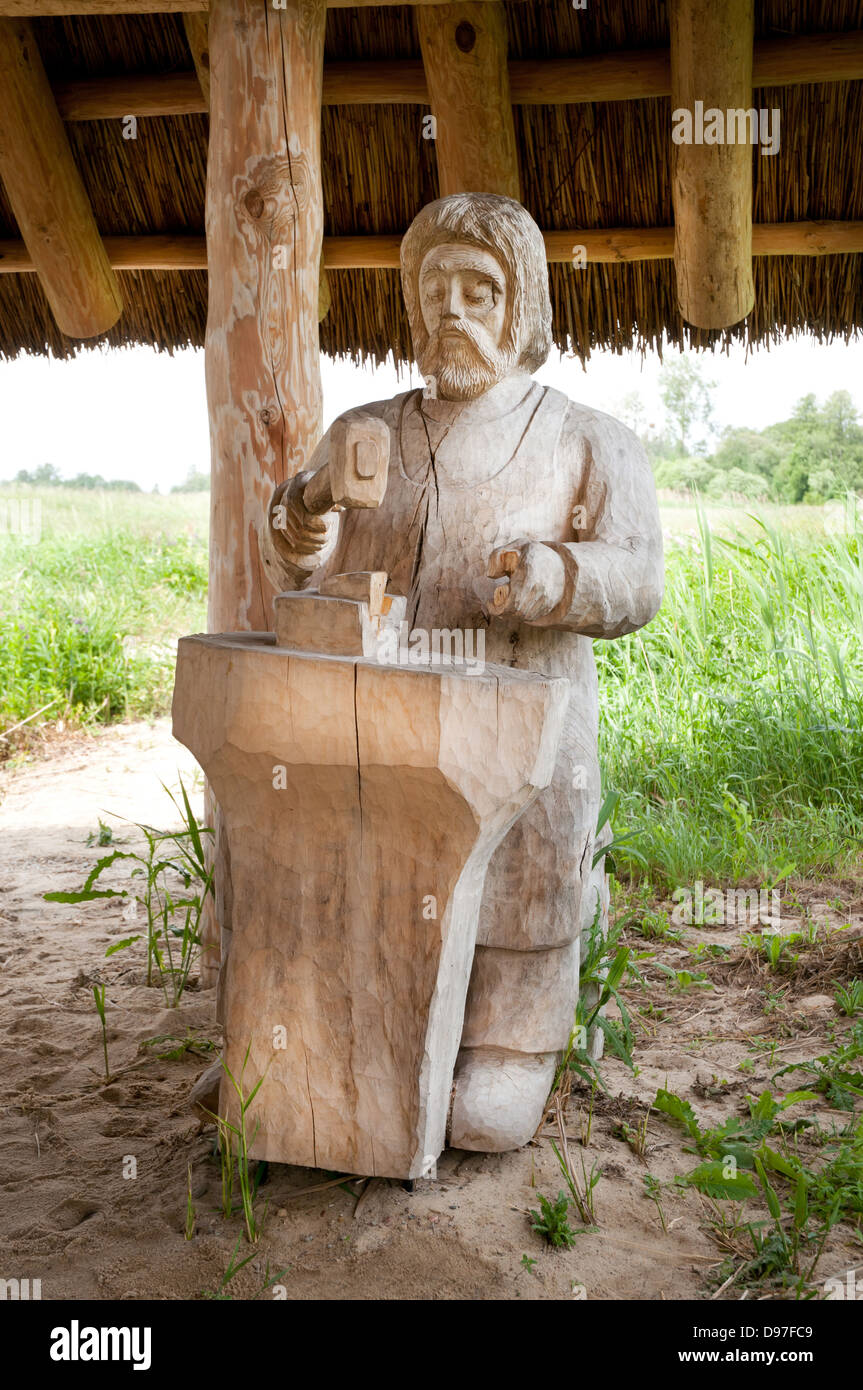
{"x":494,"y":593}
{"x":356,"y":473}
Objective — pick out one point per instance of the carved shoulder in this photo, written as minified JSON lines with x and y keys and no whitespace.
{"x":613,"y":478}
{"x":606,"y":437}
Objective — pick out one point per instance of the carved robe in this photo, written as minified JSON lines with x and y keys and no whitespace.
{"x":520,"y":462}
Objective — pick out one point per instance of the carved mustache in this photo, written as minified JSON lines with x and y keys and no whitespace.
{"x":474,"y":340}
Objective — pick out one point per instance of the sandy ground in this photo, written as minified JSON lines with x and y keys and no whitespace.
{"x":73,"y":1218}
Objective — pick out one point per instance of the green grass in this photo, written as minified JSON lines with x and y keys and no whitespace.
{"x":90,"y":611}
{"x":731,"y":726}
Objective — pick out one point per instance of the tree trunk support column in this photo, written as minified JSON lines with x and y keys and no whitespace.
{"x":264,"y":234}
{"x":711,"y":65}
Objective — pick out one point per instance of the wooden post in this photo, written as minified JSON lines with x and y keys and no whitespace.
{"x":264,"y":237}
{"x":198,"y":39}
{"x":464,"y":51}
{"x":711,"y":63}
{"x":47,"y":196}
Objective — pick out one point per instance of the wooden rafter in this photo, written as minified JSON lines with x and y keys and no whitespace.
{"x":553,"y":81}
{"x":137,"y":94}
{"x":464,"y":48}
{"x":711,"y":184}
{"x":31,"y":9}
{"x":611,"y":246}
{"x":641,"y":73}
{"x":46,"y":194}
{"x":196,"y":27}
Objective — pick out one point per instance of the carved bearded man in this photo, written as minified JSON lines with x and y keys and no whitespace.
{"x":484,"y":461}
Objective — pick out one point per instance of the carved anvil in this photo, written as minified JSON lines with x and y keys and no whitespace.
{"x":362,"y":803}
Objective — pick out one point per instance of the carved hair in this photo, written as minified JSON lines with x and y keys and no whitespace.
{"x":504,"y":228}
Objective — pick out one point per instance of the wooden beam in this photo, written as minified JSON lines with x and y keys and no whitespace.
{"x":42,"y":9}
{"x":711,"y":184}
{"x":807,"y":238}
{"x":464,"y":49}
{"x":623,"y":76}
{"x":648,"y":68}
{"x":198,"y":39}
{"x":549,"y":82}
{"x":633,"y":75}
{"x":808,"y":58}
{"x":111,"y":98}
{"x":47,"y":197}
{"x":619,"y":245}
{"x":386,"y":82}
{"x":182,"y":93}
{"x":610,"y":246}
{"x":362,"y":252}
{"x":124,"y":253}
{"x":38,"y":9}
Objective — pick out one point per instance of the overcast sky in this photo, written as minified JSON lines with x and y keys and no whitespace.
{"x":142,"y":415}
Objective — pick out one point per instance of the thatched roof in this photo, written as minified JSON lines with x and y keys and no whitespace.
{"x":582,"y":166}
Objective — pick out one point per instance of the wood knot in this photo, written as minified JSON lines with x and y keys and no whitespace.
{"x":254,"y":204}
{"x":465,"y":36}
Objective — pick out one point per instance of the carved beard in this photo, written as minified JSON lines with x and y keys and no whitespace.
{"x":464,"y":370}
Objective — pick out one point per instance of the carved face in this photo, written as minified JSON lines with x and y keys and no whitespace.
{"x":463,"y":301}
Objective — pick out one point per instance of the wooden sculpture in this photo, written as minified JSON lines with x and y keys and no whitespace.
{"x":510,"y":514}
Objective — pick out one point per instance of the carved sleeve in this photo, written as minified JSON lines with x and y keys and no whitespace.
{"x":285,"y":568}
{"x":614,"y":568}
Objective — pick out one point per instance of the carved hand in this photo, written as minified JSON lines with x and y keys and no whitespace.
{"x":537,"y":578}
{"x":299,"y":533}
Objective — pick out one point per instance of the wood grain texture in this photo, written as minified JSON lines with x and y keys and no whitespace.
{"x":334,"y":623}
{"x":395,"y":787}
{"x":136,"y":94}
{"x":381,"y":252}
{"x":47,"y":195}
{"x":617,"y":76}
{"x":197,"y":31}
{"x":365,"y":586}
{"x":264,"y":228}
{"x":393,"y":82}
{"x":520,"y":461}
{"x":489,"y":474}
{"x":625,"y":75}
{"x":41,"y":9}
{"x":194,"y":88}
{"x":464,"y":48}
{"x":30,"y":9}
{"x":711,"y":62}
{"x":804,"y":58}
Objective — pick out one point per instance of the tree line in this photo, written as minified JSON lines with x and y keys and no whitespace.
{"x":814,"y":456}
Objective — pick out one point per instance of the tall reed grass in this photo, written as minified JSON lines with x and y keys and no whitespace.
{"x":732,"y":724}
{"x":90,"y":610}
